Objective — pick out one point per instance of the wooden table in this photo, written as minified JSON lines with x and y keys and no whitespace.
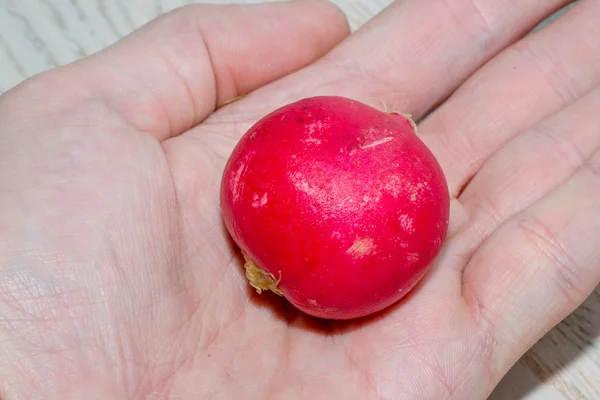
{"x":36,"y":35}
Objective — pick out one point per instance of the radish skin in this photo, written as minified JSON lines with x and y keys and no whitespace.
{"x":337,"y":206}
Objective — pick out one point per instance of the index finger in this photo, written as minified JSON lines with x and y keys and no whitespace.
{"x":412,"y":55}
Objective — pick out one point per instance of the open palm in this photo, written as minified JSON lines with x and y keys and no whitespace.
{"x":119,"y":280}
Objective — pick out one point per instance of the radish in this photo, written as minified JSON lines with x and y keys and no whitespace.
{"x":337,"y":206}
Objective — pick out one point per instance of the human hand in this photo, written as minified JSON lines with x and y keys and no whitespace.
{"x":118,"y":279}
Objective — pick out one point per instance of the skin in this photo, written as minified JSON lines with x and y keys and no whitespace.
{"x":117,"y":277}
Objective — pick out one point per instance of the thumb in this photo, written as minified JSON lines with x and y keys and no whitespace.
{"x":173,"y":72}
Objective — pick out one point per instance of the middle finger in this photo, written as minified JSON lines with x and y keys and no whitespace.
{"x":540,"y":75}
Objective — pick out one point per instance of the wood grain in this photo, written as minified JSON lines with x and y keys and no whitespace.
{"x":36,"y":35}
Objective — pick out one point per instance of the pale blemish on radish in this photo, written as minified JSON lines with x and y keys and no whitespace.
{"x":407,"y":223}
{"x":312,"y":140}
{"x":259,"y":202}
{"x":412,"y":257}
{"x":316,"y":126}
{"x":301,"y":183}
{"x":361,"y":247}
{"x":377,"y":142}
{"x":237,"y":182}
{"x":370,"y":201}
{"x":393,"y":185}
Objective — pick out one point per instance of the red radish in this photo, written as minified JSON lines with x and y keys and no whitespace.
{"x":337,"y":206}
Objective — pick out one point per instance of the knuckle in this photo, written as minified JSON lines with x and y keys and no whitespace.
{"x":559,"y":267}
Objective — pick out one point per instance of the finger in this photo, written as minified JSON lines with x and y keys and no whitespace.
{"x":414,"y":54}
{"x":168,"y":76}
{"x":526,"y":83}
{"x":529,"y":167}
{"x":538,"y":266}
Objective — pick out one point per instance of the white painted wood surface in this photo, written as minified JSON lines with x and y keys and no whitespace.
{"x":36,"y":35}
